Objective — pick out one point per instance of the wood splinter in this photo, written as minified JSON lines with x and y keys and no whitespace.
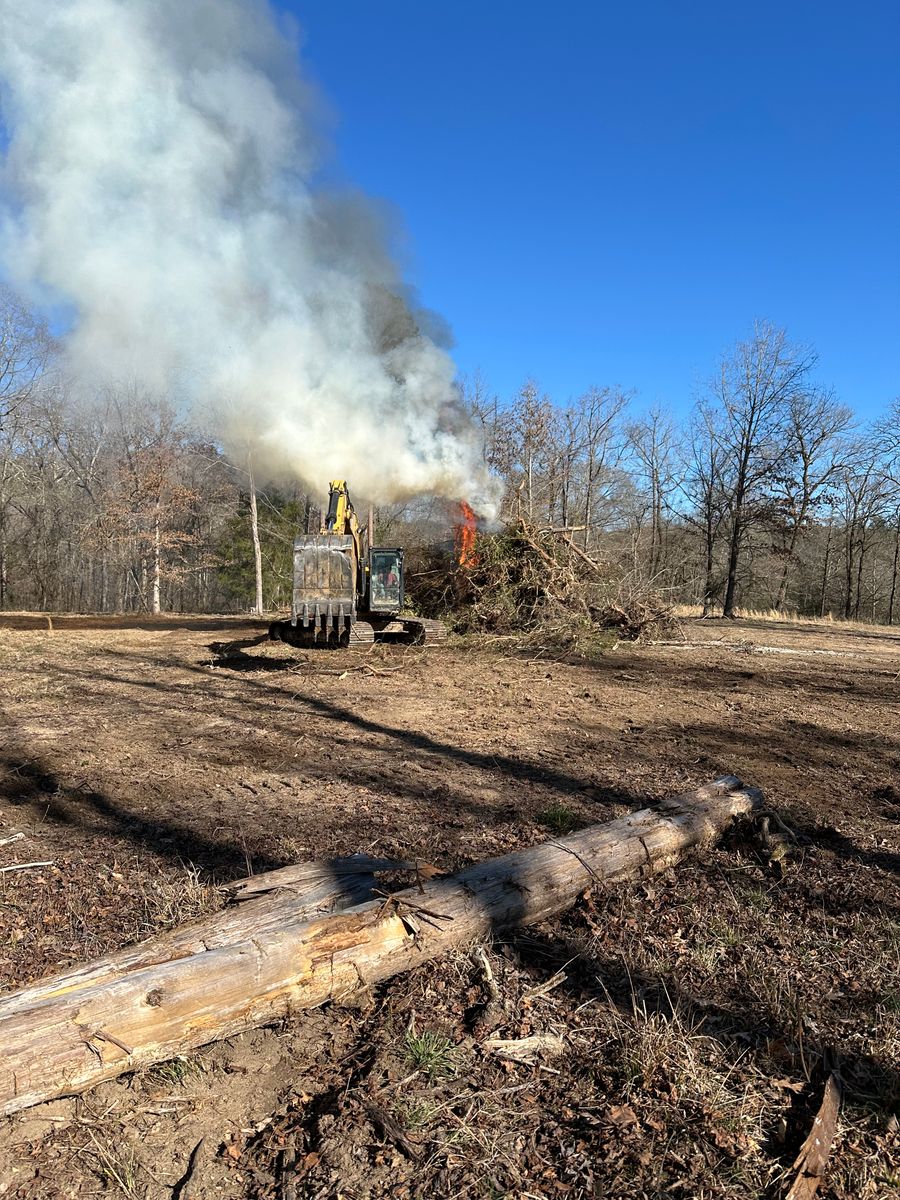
{"x":816,"y":1150}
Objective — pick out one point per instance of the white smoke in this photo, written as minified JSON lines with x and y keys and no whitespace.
{"x":158,"y":182}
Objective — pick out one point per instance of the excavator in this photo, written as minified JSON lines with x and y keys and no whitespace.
{"x":347,"y":591}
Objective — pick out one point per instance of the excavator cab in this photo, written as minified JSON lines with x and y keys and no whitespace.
{"x":385,"y":580}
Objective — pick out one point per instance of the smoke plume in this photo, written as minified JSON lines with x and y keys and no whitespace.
{"x":158,"y":182}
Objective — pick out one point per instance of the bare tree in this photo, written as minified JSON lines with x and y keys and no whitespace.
{"x":25,"y":350}
{"x":862,"y":492}
{"x":602,"y":409}
{"x":652,"y":442}
{"x":704,"y":491}
{"x":817,"y":423}
{"x":532,"y":420}
{"x":754,"y":389}
{"x":113,"y":501}
{"x":887,"y":433}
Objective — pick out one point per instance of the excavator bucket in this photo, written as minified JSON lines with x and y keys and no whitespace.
{"x":324,"y":598}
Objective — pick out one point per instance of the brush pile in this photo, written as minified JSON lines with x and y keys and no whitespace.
{"x":539,"y":583}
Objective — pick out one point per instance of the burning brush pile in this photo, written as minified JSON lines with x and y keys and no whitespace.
{"x":540,"y":584}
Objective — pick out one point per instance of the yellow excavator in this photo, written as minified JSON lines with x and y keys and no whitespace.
{"x":348,"y":591}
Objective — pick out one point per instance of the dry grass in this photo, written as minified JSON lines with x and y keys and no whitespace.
{"x":89,"y":910}
{"x":669,"y":1054}
{"x":687,"y":611}
{"x":170,"y":901}
{"x":115,"y":1162}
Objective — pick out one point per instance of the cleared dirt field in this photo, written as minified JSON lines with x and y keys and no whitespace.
{"x":699,"y":1011}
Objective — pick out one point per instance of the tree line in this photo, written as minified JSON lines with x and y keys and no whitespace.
{"x":770,"y":494}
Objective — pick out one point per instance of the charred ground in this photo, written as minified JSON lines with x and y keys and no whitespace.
{"x":699,"y":1010}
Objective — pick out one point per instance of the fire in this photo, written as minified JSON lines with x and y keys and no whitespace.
{"x":465,"y":536}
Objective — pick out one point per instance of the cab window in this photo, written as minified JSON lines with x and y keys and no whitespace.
{"x":386,"y":578}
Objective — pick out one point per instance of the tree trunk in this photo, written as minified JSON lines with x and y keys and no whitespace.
{"x":3,"y":568}
{"x":257,"y":549}
{"x":874,"y":587}
{"x":710,"y":560}
{"x":104,"y":581}
{"x":154,"y":595}
{"x":861,"y":562}
{"x":894,"y":568}
{"x":848,"y":573}
{"x":789,"y":558}
{"x":825,"y":565}
{"x":589,"y":500}
{"x":656,"y":523}
{"x":734,"y":551}
{"x":269,"y":959}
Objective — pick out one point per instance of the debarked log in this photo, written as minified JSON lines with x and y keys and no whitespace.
{"x":269,"y":958}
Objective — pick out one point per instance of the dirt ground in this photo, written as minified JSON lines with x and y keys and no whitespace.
{"x":700,"y":1012}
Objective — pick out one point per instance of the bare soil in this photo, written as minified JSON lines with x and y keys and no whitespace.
{"x":700,"y":1013}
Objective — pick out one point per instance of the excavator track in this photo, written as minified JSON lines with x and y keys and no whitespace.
{"x":414,"y":631}
{"x":424,"y":632}
{"x":309,"y":639}
{"x":361,"y":634}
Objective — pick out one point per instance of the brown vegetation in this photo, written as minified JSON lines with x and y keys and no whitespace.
{"x":539,"y":587}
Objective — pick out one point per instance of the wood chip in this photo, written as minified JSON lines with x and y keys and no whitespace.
{"x":528,"y":1049}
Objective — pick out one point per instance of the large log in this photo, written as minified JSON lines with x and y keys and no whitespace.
{"x":268,"y":958}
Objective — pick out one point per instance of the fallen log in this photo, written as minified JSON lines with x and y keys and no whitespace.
{"x":268,"y":903}
{"x":268,"y":958}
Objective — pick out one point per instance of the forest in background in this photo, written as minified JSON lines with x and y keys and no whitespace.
{"x":770,"y":494}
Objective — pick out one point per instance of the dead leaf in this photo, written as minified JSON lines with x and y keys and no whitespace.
{"x":622,"y":1115}
{"x":426,"y":870}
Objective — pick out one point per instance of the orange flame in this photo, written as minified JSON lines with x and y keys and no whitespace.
{"x":465,"y":536}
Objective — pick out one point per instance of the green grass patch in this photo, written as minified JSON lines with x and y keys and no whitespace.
{"x":430,"y":1053}
{"x":558,"y":819}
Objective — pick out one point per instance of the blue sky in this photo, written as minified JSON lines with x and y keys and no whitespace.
{"x":601,"y":193}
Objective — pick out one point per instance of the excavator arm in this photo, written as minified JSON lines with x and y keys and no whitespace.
{"x":341,"y":519}
{"x":341,"y":516}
